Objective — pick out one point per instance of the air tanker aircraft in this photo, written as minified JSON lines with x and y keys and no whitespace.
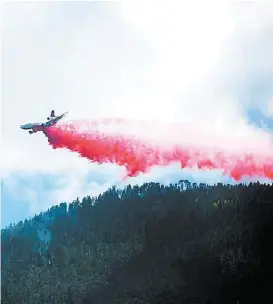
{"x":40,"y":126}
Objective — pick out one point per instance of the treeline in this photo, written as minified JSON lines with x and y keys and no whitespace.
{"x":182,"y":243}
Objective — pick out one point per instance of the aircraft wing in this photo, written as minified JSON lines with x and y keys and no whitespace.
{"x":63,"y":115}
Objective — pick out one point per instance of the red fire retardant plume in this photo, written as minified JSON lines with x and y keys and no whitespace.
{"x":139,"y":156}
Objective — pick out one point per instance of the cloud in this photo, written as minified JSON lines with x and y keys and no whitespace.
{"x":172,"y":62}
{"x":249,"y":69}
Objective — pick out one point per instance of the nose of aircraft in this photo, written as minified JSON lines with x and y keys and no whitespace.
{"x":26,"y":126}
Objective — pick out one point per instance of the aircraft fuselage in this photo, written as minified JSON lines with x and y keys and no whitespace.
{"x":29,"y":126}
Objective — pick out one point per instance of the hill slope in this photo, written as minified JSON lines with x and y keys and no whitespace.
{"x":184,"y":243}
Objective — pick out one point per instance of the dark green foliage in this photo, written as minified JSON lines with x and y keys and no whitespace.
{"x":185,"y":243}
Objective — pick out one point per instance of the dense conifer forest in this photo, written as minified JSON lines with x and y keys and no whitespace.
{"x":182,"y":243}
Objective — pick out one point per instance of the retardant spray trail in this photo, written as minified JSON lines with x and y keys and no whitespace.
{"x":140,"y":155}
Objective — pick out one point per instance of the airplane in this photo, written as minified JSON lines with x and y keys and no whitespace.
{"x":39,"y":126}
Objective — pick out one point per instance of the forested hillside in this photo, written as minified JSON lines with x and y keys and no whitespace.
{"x":182,"y":243}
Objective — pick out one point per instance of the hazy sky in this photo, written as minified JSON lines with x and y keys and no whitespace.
{"x":206,"y":63}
